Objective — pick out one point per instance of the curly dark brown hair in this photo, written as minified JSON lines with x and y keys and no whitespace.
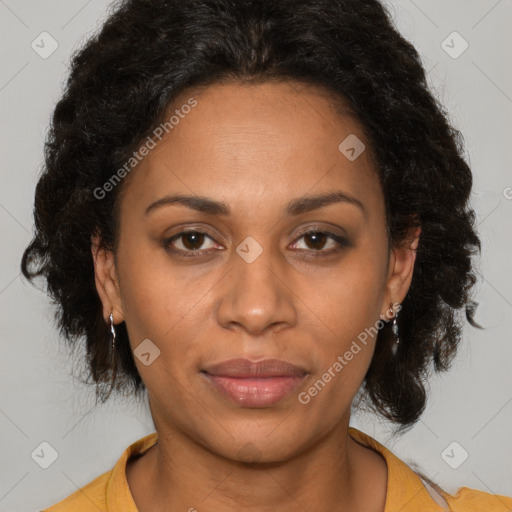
{"x":119,"y":89}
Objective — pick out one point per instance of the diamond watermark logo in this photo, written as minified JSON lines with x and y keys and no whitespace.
{"x":351,"y":147}
{"x":249,"y":453}
{"x":249,"y":249}
{"x":147,"y":352}
{"x":454,"y":455}
{"x":44,"y":455}
{"x":454,"y":45}
{"x":44,"y":45}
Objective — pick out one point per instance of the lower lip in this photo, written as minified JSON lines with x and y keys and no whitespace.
{"x":255,"y":392}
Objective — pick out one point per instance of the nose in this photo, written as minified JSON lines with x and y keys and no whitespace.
{"x":257,"y":295}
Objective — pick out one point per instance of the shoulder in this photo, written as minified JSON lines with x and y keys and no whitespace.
{"x":408,"y":490}
{"x":91,"y":497}
{"x":472,"y":500}
{"x":108,"y":491}
{"x":466,"y":499}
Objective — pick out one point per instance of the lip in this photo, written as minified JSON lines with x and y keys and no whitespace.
{"x":255,"y":384}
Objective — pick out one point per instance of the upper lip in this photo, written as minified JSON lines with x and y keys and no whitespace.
{"x":245,"y":368}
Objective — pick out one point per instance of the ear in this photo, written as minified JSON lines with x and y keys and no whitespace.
{"x":107,"y":283}
{"x":400,"y":270}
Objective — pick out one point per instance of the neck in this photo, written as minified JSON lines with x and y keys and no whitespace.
{"x":334,"y":474}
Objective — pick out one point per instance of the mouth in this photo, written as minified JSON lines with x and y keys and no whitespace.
{"x":254,"y":384}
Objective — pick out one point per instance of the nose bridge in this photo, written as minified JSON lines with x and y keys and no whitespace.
{"x":257,"y":295}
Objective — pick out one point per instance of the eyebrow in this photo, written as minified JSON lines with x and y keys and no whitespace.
{"x":295,"y":207}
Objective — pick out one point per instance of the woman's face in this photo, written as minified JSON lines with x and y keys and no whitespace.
{"x":253,"y":283}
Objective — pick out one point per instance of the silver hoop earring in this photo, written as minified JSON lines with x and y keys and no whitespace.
{"x":113,"y":332}
{"x":396,"y":338}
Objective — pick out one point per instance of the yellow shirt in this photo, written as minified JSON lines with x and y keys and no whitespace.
{"x":406,"y":492}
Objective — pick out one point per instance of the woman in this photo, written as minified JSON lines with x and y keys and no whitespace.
{"x":253,"y":209}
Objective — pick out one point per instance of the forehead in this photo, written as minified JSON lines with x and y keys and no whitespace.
{"x":273,"y":140}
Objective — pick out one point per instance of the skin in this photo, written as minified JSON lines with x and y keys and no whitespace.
{"x":255,"y":148}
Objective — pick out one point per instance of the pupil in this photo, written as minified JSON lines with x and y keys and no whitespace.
{"x":193,"y":239}
{"x":317,"y":237}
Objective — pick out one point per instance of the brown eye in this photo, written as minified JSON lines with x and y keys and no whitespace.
{"x":189,"y":241}
{"x":193,"y":240}
{"x":316,"y":241}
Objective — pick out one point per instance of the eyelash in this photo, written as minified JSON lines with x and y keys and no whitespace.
{"x":341,"y":241}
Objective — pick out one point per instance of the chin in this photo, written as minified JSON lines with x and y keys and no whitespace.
{"x":264,"y":445}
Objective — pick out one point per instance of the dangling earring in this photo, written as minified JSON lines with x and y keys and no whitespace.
{"x":113,"y":331}
{"x":396,"y":338}
{"x":112,"y":355}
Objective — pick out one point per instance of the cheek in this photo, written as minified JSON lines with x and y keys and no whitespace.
{"x":158,"y":306}
{"x":351,"y":296}
{"x":343,"y":356}
{"x":166,"y":305}
{"x":152,"y":298}
{"x":350,"y":305}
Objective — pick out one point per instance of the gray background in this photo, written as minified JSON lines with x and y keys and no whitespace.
{"x":40,"y":401}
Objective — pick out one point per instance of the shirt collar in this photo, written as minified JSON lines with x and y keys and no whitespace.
{"x":118,"y":491}
{"x":405,"y":490}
